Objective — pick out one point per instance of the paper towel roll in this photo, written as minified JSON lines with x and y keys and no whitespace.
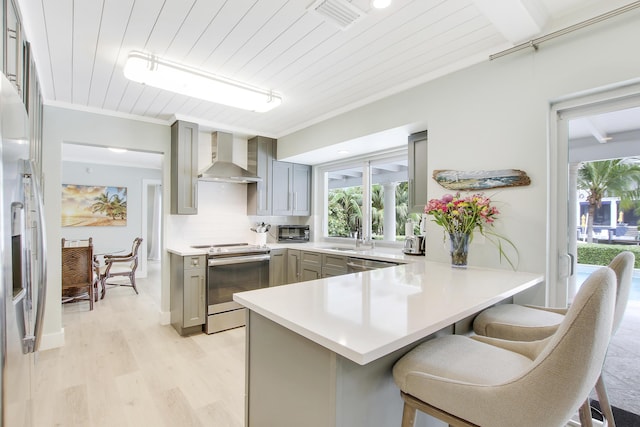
{"x":408,"y":229}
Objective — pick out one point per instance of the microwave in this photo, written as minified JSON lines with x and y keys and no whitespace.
{"x":293,"y":233}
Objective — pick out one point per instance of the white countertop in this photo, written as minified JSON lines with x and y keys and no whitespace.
{"x":364,"y":316}
{"x":379,"y":253}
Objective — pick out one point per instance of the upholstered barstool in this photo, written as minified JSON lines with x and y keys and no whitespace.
{"x":482,"y":381}
{"x":528,"y":323}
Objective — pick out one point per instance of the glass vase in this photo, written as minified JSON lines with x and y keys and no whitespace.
{"x":459,"y":249}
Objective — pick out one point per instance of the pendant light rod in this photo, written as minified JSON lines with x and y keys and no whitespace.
{"x":535,"y":42}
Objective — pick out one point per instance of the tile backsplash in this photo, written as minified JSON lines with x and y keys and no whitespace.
{"x":222,"y":218}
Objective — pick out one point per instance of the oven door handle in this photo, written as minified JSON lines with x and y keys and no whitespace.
{"x":237,"y":260}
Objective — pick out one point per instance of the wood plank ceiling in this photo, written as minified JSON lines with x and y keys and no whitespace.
{"x":81,"y":45}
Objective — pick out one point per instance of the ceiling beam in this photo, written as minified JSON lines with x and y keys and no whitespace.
{"x":517,"y":20}
{"x":597,"y":132}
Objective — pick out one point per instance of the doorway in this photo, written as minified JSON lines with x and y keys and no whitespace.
{"x":151,"y":223}
{"x":140,"y":172}
{"x":563,"y":162}
{"x":602,"y":140}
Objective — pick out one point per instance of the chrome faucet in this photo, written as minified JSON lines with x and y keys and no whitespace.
{"x":362,"y":241}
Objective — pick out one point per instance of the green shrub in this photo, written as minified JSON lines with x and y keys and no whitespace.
{"x":599,"y":254}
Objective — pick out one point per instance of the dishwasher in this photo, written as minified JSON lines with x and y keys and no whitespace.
{"x":355,"y":265}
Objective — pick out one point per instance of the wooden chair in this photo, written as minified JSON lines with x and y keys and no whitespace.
{"x":77,"y":271}
{"x":121,"y":266}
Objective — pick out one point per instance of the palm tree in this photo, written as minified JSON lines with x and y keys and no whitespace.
{"x":377,"y":209}
{"x":402,"y":208}
{"x":102,"y":204}
{"x":118,"y":207}
{"x":347,"y":204}
{"x":609,"y":178}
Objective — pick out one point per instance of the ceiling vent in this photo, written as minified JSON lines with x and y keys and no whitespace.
{"x":340,"y":13}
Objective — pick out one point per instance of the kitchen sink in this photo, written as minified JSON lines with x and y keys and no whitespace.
{"x":339,"y":248}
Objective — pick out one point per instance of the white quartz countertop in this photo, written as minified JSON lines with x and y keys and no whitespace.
{"x":365,"y":316}
{"x":378,"y":253}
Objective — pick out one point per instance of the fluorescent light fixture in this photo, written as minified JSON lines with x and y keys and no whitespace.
{"x":343,"y":152}
{"x":151,"y":70}
{"x":381,"y":4}
{"x":118,"y":150}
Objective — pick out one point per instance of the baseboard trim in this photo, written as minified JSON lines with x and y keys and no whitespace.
{"x":165,"y":318}
{"x":54,"y":340}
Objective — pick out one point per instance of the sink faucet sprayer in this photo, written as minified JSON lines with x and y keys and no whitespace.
{"x":360,"y":239}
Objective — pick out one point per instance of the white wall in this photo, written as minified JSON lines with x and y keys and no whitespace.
{"x":62,"y":125}
{"x":494,"y":116}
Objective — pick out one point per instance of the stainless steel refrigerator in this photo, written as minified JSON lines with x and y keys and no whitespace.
{"x":23,"y":259}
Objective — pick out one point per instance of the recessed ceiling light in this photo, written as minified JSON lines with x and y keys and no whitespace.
{"x":380,"y":4}
{"x":118,"y":150}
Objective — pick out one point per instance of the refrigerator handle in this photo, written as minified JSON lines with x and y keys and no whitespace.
{"x":20,"y":275}
{"x":42,"y":259}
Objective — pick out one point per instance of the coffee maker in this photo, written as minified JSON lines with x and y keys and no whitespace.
{"x":414,"y":245}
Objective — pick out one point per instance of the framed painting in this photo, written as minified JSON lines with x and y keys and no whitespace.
{"x":93,"y":206}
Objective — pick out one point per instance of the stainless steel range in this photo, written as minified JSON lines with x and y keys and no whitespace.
{"x":232,"y":268}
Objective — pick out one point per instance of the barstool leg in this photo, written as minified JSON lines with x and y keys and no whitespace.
{"x":585,"y":414}
{"x":603,"y":398}
{"x":408,"y":415}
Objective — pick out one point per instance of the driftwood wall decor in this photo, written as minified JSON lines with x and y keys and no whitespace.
{"x":480,"y":180}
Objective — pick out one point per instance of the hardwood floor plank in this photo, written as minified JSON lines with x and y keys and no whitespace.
{"x":120,"y":367}
{"x":218,"y":414}
{"x":175,"y":410}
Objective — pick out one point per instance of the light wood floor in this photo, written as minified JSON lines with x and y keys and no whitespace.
{"x":120,"y":367}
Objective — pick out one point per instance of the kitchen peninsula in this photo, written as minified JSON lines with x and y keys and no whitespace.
{"x":320,"y":353}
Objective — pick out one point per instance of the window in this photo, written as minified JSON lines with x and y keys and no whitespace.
{"x":368,"y":198}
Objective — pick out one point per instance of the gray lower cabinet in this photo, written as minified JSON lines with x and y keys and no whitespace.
{"x":293,"y":266}
{"x":184,"y":168}
{"x":333,"y":265}
{"x":278,"y":267}
{"x":188,"y":287}
{"x":418,"y":173}
{"x":310,"y":265}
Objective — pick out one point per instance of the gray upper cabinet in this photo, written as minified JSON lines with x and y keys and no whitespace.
{"x":291,"y":195}
{"x":262,"y":149}
{"x":13,"y":48}
{"x":282,"y":188}
{"x":418,"y":174}
{"x":184,"y":168}
{"x":301,"y":190}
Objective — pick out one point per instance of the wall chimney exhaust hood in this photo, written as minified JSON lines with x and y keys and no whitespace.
{"x":222,"y":167}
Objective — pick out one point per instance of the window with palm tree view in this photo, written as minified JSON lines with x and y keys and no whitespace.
{"x":369,"y":200}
